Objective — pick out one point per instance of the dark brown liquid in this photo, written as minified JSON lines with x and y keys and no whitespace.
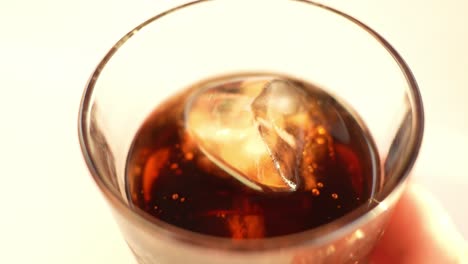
{"x":168,"y":177}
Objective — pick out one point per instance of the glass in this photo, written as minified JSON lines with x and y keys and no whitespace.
{"x":202,"y":39}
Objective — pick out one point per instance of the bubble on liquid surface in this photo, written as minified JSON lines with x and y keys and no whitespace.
{"x":268,"y":133}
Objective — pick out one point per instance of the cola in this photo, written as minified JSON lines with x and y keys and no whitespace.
{"x":203,"y":160}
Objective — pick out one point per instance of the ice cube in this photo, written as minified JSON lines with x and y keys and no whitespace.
{"x":266,"y":133}
{"x":272,"y":109}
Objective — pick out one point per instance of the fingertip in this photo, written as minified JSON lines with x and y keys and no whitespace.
{"x":419,"y":231}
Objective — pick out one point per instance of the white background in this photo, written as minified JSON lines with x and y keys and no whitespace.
{"x":51,"y":210}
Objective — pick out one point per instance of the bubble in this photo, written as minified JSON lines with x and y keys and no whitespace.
{"x":321,"y":130}
{"x":320,"y":140}
{"x":189,"y":156}
{"x":315,"y":192}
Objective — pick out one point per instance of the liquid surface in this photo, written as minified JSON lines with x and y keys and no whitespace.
{"x":169,"y":176}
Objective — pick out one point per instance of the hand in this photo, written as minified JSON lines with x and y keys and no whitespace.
{"x":420,"y":231}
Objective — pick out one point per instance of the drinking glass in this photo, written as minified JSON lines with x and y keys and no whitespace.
{"x":202,"y":39}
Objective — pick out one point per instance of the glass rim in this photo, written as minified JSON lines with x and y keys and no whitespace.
{"x":318,"y":236}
